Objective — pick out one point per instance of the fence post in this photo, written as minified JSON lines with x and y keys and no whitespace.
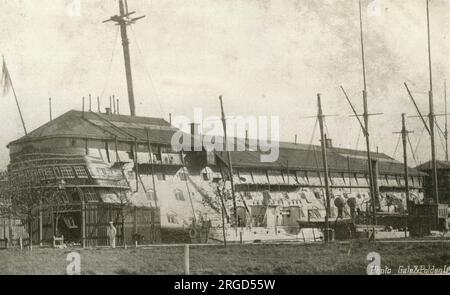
{"x":40,"y":224}
{"x":83,"y":223}
{"x":186,"y":259}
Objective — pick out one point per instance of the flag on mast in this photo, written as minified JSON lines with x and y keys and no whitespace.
{"x":6,"y":84}
{"x":6,"y":79}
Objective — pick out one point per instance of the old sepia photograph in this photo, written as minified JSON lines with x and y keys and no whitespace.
{"x":205,"y":138}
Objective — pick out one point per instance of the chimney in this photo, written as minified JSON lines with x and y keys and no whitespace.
{"x":108,"y":111}
{"x":118,"y":113}
{"x":295,"y":139}
{"x":247,"y":142}
{"x":194,"y":129}
{"x":114,"y":104}
{"x":329,"y":143}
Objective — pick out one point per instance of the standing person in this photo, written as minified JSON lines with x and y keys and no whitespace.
{"x":112,"y":234}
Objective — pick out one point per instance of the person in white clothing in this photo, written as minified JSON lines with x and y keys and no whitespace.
{"x":112,"y":234}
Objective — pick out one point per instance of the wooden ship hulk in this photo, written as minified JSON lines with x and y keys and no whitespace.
{"x":74,"y":174}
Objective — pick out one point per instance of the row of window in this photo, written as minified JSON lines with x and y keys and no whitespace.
{"x":89,"y":196}
{"x":313,"y":178}
{"x":103,"y":172}
{"x":50,"y":173}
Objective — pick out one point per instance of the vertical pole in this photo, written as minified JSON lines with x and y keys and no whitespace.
{"x":405,"y":165}
{"x":325,"y":168}
{"x":136,"y":165}
{"x":431,"y":116}
{"x":52,"y":218}
{"x":40,"y":224}
{"x":30,"y":229}
{"x":376,"y":188}
{"x":122,"y":216}
{"x":83,"y":223}
{"x":135,"y":222}
{"x":366,"y":125}
{"x":82,"y":107}
{"x":4,"y":231}
{"x":126,"y":55}
{"x":50,"y":107}
{"x":150,"y":153}
{"x":230,"y":164}
{"x":222,"y":203}
{"x":446,"y":121}
{"x":186,"y":259}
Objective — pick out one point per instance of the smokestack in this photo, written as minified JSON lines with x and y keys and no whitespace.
{"x":170,"y":118}
{"x":246,"y":140}
{"x":118,"y":107}
{"x":82,"y":107}
{"x":90,"y":105}
{"x":110,"y":103}
{"x":295,"y":139}
{"x":98,"y":104}
{"x":114,"y":104}
{"x":194,"y":129}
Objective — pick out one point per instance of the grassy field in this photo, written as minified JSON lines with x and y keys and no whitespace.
{"x":235,"y":259}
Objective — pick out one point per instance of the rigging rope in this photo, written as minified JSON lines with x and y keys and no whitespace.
{"x":317,"y":162}
{"x":396,"y":146}
{"x":412,"y":151}
{"x":420,"y":137}
{"x":441,"y":135}
{"x":395,"y":152}
{"x":152,"y":84}
{"x":357,"y":140}
{"x":108,"y":76}
{"x":326,"y":126}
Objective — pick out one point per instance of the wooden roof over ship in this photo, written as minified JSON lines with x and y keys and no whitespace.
{"x":440,"y":165}
{"x":309,"y":157}
{"x":92,"y":125}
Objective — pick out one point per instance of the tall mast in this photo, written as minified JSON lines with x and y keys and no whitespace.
{"x":404,"y":132}
{"x":446,"y":122}
{"x":366,"y":123}
{"x":230,"y":164}
{"x":431,"y":116}
{"x":123,"y":20}
{"x":320,"y":116}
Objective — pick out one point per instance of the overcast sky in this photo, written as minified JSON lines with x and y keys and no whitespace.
{"x":265,"y":58}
